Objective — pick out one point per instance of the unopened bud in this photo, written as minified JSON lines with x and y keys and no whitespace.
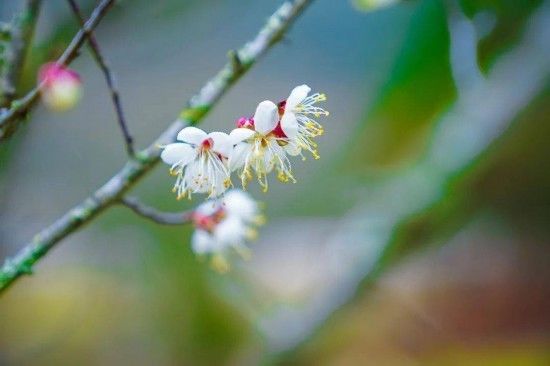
{"x":61,"y":87}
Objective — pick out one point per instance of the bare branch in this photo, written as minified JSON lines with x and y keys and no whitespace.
{"x":163,"y":218}
{"x":145,"y":160}
{"x":109,"y":78}
{"x":235,"y":60}
{"x":11,"y":119}
{"x":20,"y":31}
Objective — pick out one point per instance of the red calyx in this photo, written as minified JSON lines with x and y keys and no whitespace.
{"x":207,"y":222}
{"x":281,"y":105}
{"x":207,"y":143}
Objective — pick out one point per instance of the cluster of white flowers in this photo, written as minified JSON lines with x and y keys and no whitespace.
{"x":203,"y":162}
{"x":225,"y":224}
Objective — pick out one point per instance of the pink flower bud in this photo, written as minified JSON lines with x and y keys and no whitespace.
{"x":245,"y":122}
{"x":61,"y":87}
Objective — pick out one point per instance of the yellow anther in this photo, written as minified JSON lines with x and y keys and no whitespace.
{"x":251,"y":234}
{"x":220,"y":264}
{"x":259,"y":220}
{"x":244,"y":252}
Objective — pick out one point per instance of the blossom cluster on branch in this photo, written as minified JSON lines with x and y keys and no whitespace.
{"x":203,"y":162}
{"x":264,"y":143}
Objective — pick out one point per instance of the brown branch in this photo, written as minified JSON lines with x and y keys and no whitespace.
{"x":163,"y":218}
{"x":109,"y":78}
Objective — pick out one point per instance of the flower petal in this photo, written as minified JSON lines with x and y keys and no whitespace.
{"x":289,"y":124}
{"x":178,"y":153}
{"x":239,"y":203}
{"x":268,"y":162}
{"x":192,"y":135}
{"x":292,"y":148}
{"x":238,"y":156}
{"x":266,"y":117}
{"x":230,"y":232}
{"x":203,"y":242}
{"x":195,"y":179}
{"x":208,"y":208}
{"x":222,"y":144}
{"x":218,"y":183}
{"x":297,"y":95}
{"x":240,"y":134}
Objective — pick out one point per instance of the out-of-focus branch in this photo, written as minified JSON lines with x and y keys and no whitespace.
{"x":20,"y":32}
{"x":12,"y":118}
{"x":163,"y":218}
{"x":145,"y":160}
{"x":109,"y":78}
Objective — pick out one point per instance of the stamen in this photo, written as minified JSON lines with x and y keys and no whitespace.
{"x":220,"y":263}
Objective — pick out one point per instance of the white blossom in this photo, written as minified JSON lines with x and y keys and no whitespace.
{"x":223,"y":225}
{"x":199,"y":161}
{"x":264,"y":142}
{"x":240,"y":204}
{"x":297,"y":122}
{"x":261,"y":147}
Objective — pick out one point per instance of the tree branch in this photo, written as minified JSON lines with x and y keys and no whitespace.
{"x":136,"y":168}
{"x":163,"y":218}
{"x":21,"y":31}
{"x":109,"y":78}
{"x":11,"y":119}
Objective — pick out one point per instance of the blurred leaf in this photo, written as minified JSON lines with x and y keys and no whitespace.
{"x":419,"y":87}
{"x":371,"y":5}
{"x":511,"y":18}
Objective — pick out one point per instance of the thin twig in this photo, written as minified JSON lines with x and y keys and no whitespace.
{"x":109,"y":78}
{"x":163,"y":218}
{"x":12,"y":118}
{"x":145,"y":160}
{"x":21,"y":31}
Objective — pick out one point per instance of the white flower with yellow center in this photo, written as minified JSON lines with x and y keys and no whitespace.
{"x":296,"y":118}
{"x":199,"y":161}
{"x":223,"y":225}
{"x":261,"y":146}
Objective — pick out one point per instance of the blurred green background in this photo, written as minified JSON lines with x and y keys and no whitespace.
{"x":421,"y":237}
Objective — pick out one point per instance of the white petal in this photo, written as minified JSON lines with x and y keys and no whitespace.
{"x":178,"y":153}
{"x":240,"y":134}
{"x":208,"y":208}
{"x":192,"y":135}
{"x":268,"y":161}
{"x":266,"y":117}
{"x":297,"y":95}
{"x":203,"y":242}
{"x":239,"y":203}
{"x":222,"y":144}
{"x":201,"y":180}
{"x":231,"y":231}
{"x":219,"y":187}
{"x":289,"y":124}
{"x":195,"y":178}
{"x":238,"y":156}
{"x":292,"y":148}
